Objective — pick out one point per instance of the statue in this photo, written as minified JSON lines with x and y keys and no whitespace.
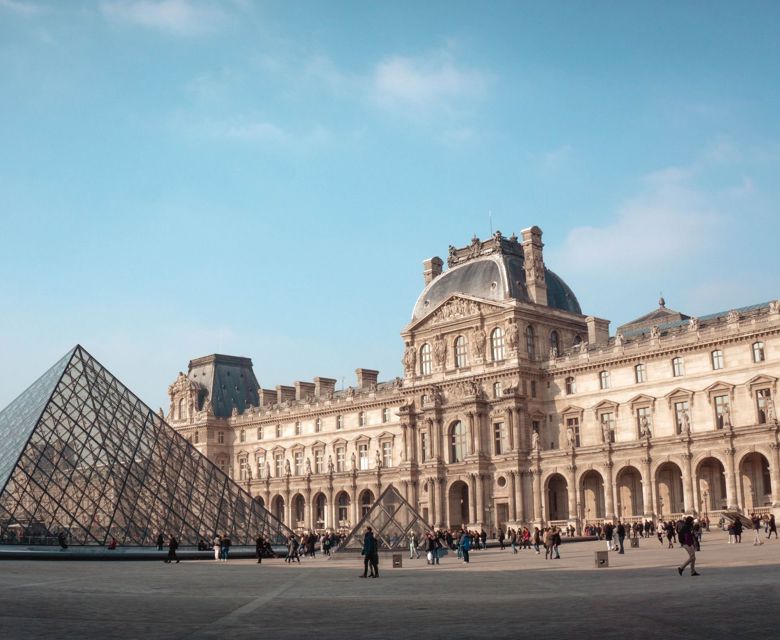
{"x":570,"y":436}
{"x":234,"y":412}
{"x":774,"y":306}
{"x":308,"y":467}
{"x":378,"y":458}
{"x":693,"y":324}
{"x":439,"y":351}
{"x":512,"y":335}
{"x":606,"y":432}
{"x":330,"y":464}
{"x":726,"y":417}
{"x":644,"y":428}
{"x":535,"y":440}
{"x":409,"y":359}
{"x":287,"y":470}
{"x":770,"y":411}
{"x":479,"y":342}
{"x":655,"y":332}
{"x":685,"y":422}
{"x":619,"y":339}
{"x":268,"y":472}
{"x":354,"y":461}
{"x":397,"y":382}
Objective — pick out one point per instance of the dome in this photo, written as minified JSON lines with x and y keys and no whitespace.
{"x":496,"y":277}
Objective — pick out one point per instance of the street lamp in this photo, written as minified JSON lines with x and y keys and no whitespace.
{"x":706,"y":495}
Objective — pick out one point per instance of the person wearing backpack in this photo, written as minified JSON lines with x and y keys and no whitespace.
{"x":464,"y":544}
{"x":687,"y":540}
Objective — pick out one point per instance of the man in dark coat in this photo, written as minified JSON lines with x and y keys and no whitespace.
{"x":621,"y":534}
{"x":173,"y":544}
{"x":370,"y":554}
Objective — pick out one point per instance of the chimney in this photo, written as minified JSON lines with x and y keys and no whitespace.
{"x":324,"y":386}
{"x":366,"y":377}
{"x":303,"y":389}
{"x":598,"y":331}
{"x":267,"y":396}
{"x":432,"y":269}
{"x":283,"y":393}
{"x":535,"y":282}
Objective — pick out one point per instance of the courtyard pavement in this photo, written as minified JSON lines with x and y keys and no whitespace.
{"x":499,"y":595}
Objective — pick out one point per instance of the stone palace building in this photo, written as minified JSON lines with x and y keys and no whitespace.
{"x":514,"y":408}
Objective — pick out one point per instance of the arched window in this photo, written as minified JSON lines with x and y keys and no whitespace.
{"x":361,"y":419}
{"x":385,"y":415}
{"x":425,"y":360}
{"x":678,"y":367}
{"x":297,"y":428}
{"x":242,"y":435}
{"x":366,"y":502}
{"x":717,"y":359}
{"x":343,"y":503}
{"x":259,"y":433}
{"x":318,"y":425}
{"x":530,"y":342}
{"x":604,"y":380}
{"x":758,"y":352}
{"x":461,"y":356}
{"x":571,"y":386}
{"x":555,"y":344}
{"x":457,"y":442}
{"x":577,"y":341}
{"x":497,"y":344}
{"x":196,"y":438}
{"x":339,"y":423}
{"x":640,"y":373}
{"x":182,"y":409}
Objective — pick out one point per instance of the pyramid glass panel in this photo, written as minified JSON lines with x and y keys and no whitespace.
{"x":392,"y":519}
{"x":80,"y":455}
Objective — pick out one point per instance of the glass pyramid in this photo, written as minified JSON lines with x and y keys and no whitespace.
{"x":81,"y":455}
{"x":392,"y":519}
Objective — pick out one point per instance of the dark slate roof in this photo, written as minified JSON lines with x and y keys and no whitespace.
{"x":229,"y":380}
{"x":494,"y":277}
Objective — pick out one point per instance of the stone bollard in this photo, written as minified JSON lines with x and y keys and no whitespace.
{"x":602,"y":559}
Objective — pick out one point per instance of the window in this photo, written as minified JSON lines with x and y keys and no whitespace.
{"x":608,"y":426}
{"x":297,"y":428}
{"x":604,"y":380}
{"x":499,"y":438}
{"x":721,"y":411}
{"x":644,"y":421}
{"x":362,"y":419}
{"x":423,"y":446}
{"x":318,"y":425}
{"x":461,"y":357}
{"x":530,"y":342}
{"x":339,"y":423}
{"x":763,"y":399}
{"x":571,"y":386}
{"x":497,"y":390}
{"x":319,"y":457}
{"x":573,"y":426}
{"x":343,"y":507}
{"x":533,"y":388}
{"x":196,"y":438}
{"x":298,"y":460}
{"x":387,"y":454}
{"x":341,"y":458}
{"x":363,"y":457}
{"x":678,"y":367}
{"x":279,"y":465}
{"x":425,"y":360}
{"x":717,"y":359}
{"x":243,"y":468}
{"x":457,"y":442}
{"x":261,"y":466}
{"x":259,"y":433}
{"x":681,"y":415}
{"x":242,"y":435}
{"x":182,"y":409}
{"x":497,"y":344}
{"x":385,"y":415}
{"x":555,"y":344}
{"x":278,"y":431}
{"x":640,"y":373}
{"x":221,"y":437}
{"x":222,"y":464}
{"x":758,"y":352}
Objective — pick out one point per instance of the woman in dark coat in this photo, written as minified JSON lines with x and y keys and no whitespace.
{"x":370,"y":554}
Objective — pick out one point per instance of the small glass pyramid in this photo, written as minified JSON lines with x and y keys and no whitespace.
{"x":80,"y":455}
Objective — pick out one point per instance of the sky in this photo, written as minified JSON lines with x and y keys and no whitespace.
{"x":185,"y":177}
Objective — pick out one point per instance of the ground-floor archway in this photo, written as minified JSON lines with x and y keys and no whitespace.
{"x":592,"y":495}
{"x":342,"y":509}
{"x":711,"y":480}
{"x":669,"y":485}
{"x":366,"y":502}
{"x":629,"y":493}
{"x":320,"y":511}
{"x":756,"y":482}
{"x":557,"y":498}
{"x":277,"y":508}
{"x":299,"y":510}
{"x":458,"y":503}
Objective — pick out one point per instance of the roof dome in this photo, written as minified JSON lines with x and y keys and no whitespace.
{"x":499,"y":276}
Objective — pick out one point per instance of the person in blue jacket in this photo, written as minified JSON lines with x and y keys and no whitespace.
{"x":465,"y":544}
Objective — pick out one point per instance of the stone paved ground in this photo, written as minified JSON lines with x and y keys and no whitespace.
{"x":497,"y":596}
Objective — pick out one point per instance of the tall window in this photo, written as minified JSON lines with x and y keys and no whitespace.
{"x":279,"y":465}
{"x":423,"y":446}
{"x":574,"y":425}
{"x":319,"y":456}
{"x":259,"y":433}
{"x":497,"y":389}
{"x":243,"y":466}
{"x":497,"y":344}
{"x":196,"y":438}
{"x":261,"y":466}
{"x":297,"y":428}
{"x":385,"y":415}
{"x":608,"y":426}
{"x":721,"y":409}
{"x":678,"y":367}
{"x":278,"y":431}
{"x":425,"y":360}
{"x":571,"y":386}
{"x":182,"y":409}
{"x":533,"y":388}
{"x":763,"y":397}
{"x":298,"y":459}
{"x":604,"y":380}
{"x":758,"y":352}
{"x":530,"y":342}
{"x":363,"y":456}
{"x":555,"y":344}
{"x":341,"y":458}
{"x":640,"y":373}
{"x":242,"y":435}
{"x":681,"y":413}
{"x":339,"y":423}
{"x":221,"y":437}
{"x":717,"y":359}
{"x":499,"y":438}
{"x":461,"y":357}
{"x":643,"y":421}
{"x":361,"y":419}
{"x":457,"y":442}
{"x":387,"y":454}
{"x":318,"y":425}
{"x":343,"y":507}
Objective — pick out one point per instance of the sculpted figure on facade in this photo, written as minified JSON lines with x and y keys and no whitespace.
{"x":353,"y":459}
{"x":570,"y":436}
{"x":685,"y":422}
{"x":308,"y":467}
{"x":409,"y":359}
{"x":478,"y":342}
{"x":774,"y":307}
{"x":331,"y":468}
{"x":535,"y":440}
{"x":655,"y":332}
{"x":287,"y":470}
{"x":770,"y":411}
{"x":619,"y":339}
{"x":378,"y":459}
{"x":606,"y":433}
{"x":512,"y":335}
{"x":726,"y":417}
{"x":693,"y":324}
{"x":455,"y":309}
{"x":732,"y":317}
{"x":644,"y":428}
{"x":439,"y":351}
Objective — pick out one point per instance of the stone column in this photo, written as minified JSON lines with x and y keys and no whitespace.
{"x":405,"y":442}
{"x":480,"y":499}
{"x":354,"y":504}
{"x":512,"y":496}
{"x":288,"y":508}
{"x":647,"y":488}
{"x":478,"y":433}
{"x":731,"y":480}
{"x":437,"y":435}
{"x":775,"y":471}
{"x":308,"y":509}
{"x":537,"y":480}
{"x":432,"y":501}
{"x":330,"y":516}
{"x":473,"y":498}
{"x":510,"y":430}
{"x":441,"y":519}
{"x":609,"y":489}
{"x":573,"y":492}
{"x":520,"y":496}
{"x":689,"y":503}
{"x":472,"y":434}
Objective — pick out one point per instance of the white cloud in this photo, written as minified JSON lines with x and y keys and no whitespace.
{"x":179,"y":17}
{"x":21,"y":8}
{"x":422,"y":85}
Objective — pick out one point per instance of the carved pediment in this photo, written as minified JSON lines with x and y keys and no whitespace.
{"x":456,"y":308}
{"x":720,"y":388}
{"x":642,"y":399}
{"x":572,"y":409}
{"x":318,"y":444}
{"x":260,"y":453}
{"x":362,"y":439}
{"x":385,"y":435}
{"x":761,"y":381}
{"x":606,"y":405}
{"x":679,"y":394}
{"x":338,"y":442}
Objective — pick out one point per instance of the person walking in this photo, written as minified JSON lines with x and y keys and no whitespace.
{"x":548,"y":544}
{"x":292,"y":549}
{"x":609,"y":530}
{"x":556,"y":543}
{"x":537,"y":539}
{"x":756,"y":529}
{"x":259,"y":548}
{"x":217,"y":545}
{"x":160,"y":541}
{"x":173,"y":544}
{"x":369,"y":552}
{"x":414,"y":552}
{"x":464,"y":544}
{"x":225,"y":547}
{"x":513,"y":540}
{"x":686,"y":539}
{"x":621,"y":534}
{"x":501,"y":538}
{"x":772,"y":526}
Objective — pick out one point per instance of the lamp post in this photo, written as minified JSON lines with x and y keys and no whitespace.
{"x":704,"y":506}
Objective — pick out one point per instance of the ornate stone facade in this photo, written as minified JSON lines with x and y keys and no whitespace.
{"x":514,"y":408}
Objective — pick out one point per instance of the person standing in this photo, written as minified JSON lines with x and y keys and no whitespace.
{"x":160,"y":541}
{"x":225,"y":547}
{"x":772,"y":526}
{"x":464,"y":544}
{"x":556,"y":542}
{"x":686,"y":539}
{"x":537,"y":538}
{"x":259,"y":548}
{"x":513,"y":540}
{"x":414,"y":552}
{"x":621,"y":534}
{"x":173,"y":544}
{"x":756,"y":529}
{"x":501,"y":538}
{"x":292,"y":549}
{"x":217,"y":544}
{"x":608,"y":533}
{"x":368,"y":552}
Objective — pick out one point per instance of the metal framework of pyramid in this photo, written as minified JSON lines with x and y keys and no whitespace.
{"x":81,"y":455}
{"x":392,"y":519}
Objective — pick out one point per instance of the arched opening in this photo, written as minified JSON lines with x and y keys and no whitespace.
{"x":259,"y":500}
{"x":299,"y":511}
{"x":342,"y":515}
{"x":457,"y":442}
{"x":320,"y":504}
{"x":458,"y":500}
{"x":592,"y":496}
{"x":557,"y":498}
{"x":669,"y":490}
{"x":366,"y":502}
{"x":711,"y":480}
{"x":555,"y":344}
{"x":756,"y":481}
{"x":277,"y":508}
{"x":629,"y":487}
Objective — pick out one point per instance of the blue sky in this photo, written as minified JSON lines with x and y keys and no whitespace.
{"x":182,"y":177}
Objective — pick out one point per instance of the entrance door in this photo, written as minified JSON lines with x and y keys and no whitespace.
{"x":502,"y":514}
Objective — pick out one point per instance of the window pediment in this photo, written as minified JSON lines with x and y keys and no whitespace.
{"x":720,"y":388}
{"x":318,"y":444}
{"x":243,"y":453}
{"x":607,"y":405}
{"x":297,"y":447}
{"x":385,"y":436}
{"x":641,"y":400}
{"x":762,"y":381}
{"x":679,"y":394}
{"x":260,"y":453}
{"x":278,"y":449}
{"x":339,"y":442}
{"x":362,"y":439}
{"x":572,"y":410}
